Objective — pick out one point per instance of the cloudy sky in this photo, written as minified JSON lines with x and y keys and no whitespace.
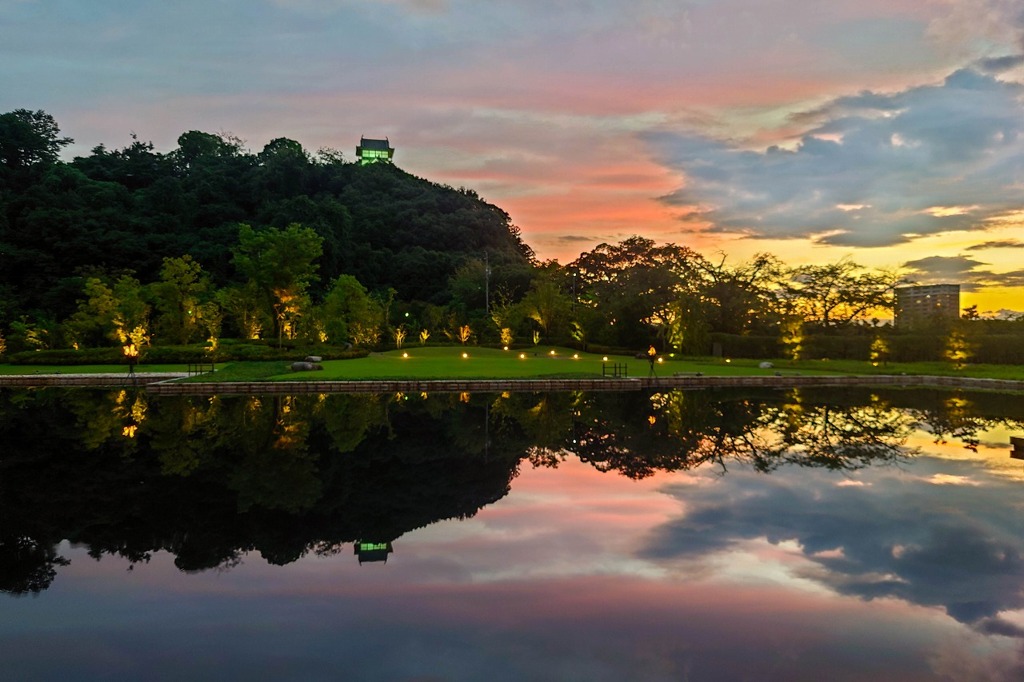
{"x":888,"y":131}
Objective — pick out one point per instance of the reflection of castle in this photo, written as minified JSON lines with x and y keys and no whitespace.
{"x":370,"y":552}
{"x":926,"y":303}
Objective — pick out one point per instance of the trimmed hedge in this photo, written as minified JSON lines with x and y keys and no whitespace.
{"x":174,"y":355}
{"x":756,"y":347}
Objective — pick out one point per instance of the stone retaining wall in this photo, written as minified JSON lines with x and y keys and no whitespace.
{"x":537,"y":385}
{"x":164,"y":384}
{"x":84,"y":380}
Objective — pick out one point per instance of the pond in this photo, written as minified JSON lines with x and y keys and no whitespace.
{"x":682,"y":535}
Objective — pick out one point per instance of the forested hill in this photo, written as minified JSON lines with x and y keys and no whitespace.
{"x":126,"y":210}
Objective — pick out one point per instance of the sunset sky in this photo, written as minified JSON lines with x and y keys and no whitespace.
{"x":890,"y":132}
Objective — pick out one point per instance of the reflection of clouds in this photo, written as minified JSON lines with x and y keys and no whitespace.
{"x":929,"y":539}
{"x":528,"y":589}
{"x":258,"y":622}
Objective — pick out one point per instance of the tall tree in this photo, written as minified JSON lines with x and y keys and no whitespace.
{"x":28,"y":138}
{"x":182,"y":298}
{"x":350,"y":314}
{"x":840,"y":293}
{"x":282,"y":264}
{"x":743,"y":298}
{"x":633,"y":284}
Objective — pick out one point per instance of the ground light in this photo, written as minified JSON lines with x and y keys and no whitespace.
{"x":465,"y":355}
{"x":405,"y":355}
{"x":522,"y":356}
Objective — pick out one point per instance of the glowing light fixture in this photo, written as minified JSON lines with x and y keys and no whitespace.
{"x":465,"y":355}
{"x":405,"y":355}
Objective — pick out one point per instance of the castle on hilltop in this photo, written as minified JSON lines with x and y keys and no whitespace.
{"x":372,"y":151}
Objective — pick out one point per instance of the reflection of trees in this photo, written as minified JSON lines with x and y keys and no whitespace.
{"x":27,"y":566}
{"x":212,"y":479}
{"x":960,"y":418}
{"x":542,"y":417}
{"x":682,"y":430}
{"x":837,"y":436}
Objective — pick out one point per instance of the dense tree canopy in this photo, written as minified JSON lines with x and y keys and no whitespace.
{"x":212,"y":239}
{"x":129,"y":209}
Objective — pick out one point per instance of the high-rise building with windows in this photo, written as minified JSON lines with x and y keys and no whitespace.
{"x":929,"y":303}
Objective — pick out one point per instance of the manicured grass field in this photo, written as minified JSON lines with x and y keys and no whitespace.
{"x":486,"y":363}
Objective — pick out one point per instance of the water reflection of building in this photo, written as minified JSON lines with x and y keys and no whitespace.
{"x":927,"y":303}
{"x":371,"y":552}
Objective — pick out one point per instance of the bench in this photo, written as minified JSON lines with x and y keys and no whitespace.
{"x":200,"y":367}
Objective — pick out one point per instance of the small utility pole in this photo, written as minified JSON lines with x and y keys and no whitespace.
{"x":487,"y":283}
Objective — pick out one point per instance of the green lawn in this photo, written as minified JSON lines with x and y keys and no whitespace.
{"x":485,"y":363}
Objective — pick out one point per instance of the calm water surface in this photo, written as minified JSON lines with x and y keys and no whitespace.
{"x":778,"y":535}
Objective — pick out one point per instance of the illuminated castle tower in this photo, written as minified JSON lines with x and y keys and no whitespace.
{"x":371,"y":151}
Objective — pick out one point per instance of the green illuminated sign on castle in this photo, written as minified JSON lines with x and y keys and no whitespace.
{"x":372,"y":151}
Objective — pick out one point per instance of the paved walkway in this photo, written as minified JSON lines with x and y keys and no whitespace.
{"x":100,"y":379}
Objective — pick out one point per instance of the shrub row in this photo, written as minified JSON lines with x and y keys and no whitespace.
{"x":998,"y":349}
{"x":172,"y":355}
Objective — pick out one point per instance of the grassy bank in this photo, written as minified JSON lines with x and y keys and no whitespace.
{"x":486,"y":363}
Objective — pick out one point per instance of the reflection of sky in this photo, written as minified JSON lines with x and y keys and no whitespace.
{"x":902,"y":572}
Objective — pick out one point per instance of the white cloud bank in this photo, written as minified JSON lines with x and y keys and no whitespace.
{"x":869,"y":170}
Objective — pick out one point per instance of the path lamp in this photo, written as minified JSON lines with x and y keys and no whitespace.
{"x":131,"y":354}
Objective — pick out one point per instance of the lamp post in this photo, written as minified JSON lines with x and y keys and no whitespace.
{"x":487,"y":283}
{"x":131,"y":353}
